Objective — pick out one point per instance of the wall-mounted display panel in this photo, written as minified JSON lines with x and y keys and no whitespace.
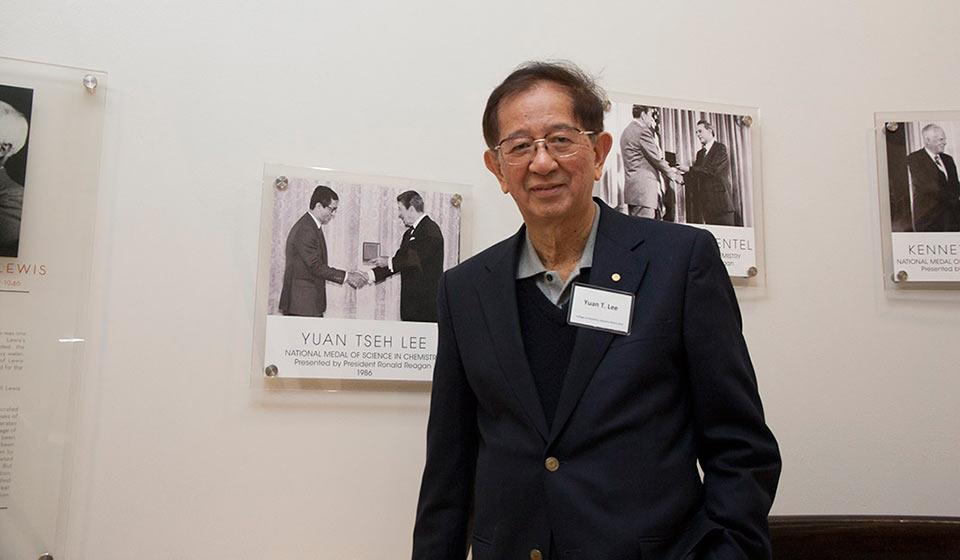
{"x":691,"y":163}
{"x":348,"y":276}
{"x":48,"y":204}
{"x":919,"y":195}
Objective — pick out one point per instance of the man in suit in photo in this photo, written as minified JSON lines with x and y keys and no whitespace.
{"x":552,"y":441}
{"x":936,"y":190}
{"x":644,"y":166}
{"x":418,"y":261}
{"x":306,"y":269}
{"x":709,"y":198}
{"x":13,"y":137}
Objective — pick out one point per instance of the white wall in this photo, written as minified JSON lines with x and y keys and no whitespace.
{"x":182,"y":460}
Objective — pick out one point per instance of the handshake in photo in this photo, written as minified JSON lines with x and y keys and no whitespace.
{"x":357,"y":279}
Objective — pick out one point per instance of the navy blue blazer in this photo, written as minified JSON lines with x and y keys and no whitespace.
{"x":635,"y":415}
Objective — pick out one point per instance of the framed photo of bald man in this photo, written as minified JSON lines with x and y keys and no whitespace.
{"x":16,"y":104}
{"x":350,"y":270}
{"x":920,"y":198}
{"x":693,"y":163}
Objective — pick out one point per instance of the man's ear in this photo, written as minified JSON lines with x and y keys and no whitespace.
{"x":601,"y":148}
{"x":492,"y":162}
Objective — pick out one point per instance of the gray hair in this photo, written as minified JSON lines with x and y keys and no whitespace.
{"x":13,"y":129}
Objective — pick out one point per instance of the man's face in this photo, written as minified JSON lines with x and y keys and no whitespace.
{"x":13,"y":132}
{"x":653,"y":116}
{"x":407,"y":215}
{"x":547,"y":189}
{"x":935,"y":140}
{"x":704,"y":135}
{"x":325,"y":214}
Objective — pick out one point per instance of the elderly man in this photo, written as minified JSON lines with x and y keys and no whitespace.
{"x":576,"y":435}
{"x":936,"y":190}
{"x":644,"y":166}
{"x":13,"y":137}
{"x":709,"y":186}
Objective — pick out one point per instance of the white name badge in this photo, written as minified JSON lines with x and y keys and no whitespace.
{"x":601,"y":309}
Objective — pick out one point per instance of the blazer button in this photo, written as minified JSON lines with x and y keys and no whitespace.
{"x":535,"y":554}
{"x":552,"y":464}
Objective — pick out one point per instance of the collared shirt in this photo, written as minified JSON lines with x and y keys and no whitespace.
{"x":937,"y":160}
{"x":420,"y":219}
{"x":411,"y":228}
{"x":315,"y":219}
{"x":707,"y":146}
{"x":549,"y":281}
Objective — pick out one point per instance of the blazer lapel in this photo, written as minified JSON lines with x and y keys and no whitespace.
{"x":614,"y":253}
{"x":498,"y":297}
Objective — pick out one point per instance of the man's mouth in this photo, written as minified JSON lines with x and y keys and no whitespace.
{"x":546,"y":189}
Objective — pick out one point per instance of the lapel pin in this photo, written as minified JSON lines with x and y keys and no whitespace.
{"x":615,"y":276}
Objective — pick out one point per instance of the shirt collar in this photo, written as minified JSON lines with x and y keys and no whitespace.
{"x":417,"y":223}
{"x":315,"y":219}
{"x":531,"y":265}
{"x":932,"y":155}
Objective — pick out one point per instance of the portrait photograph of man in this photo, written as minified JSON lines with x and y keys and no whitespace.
{"x":924,"y":188}
{"x":679,"y":165}
{"x":418,"y":260}
{"x":15,"y":112}
{"x":352,"y":250}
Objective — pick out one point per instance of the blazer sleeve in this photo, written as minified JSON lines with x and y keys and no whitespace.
{"x":651,"y":151}
{"x":738,"y":453}
{"x":309,"y":251}
{"x":446,"y":491}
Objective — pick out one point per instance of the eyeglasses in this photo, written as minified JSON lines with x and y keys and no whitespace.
{"x":562,"y":144}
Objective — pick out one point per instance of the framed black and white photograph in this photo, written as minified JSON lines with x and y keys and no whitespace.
{"x":688,"y":163}
{"x":16,"y":104}
{"x":353,"y":266}
{"x":920,"y":197}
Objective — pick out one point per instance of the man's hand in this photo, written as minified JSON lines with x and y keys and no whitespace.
{"x":683,"y":168}
{"x":381,"y":261}
{"x":675,"y":176}
{"x":356,"y":279}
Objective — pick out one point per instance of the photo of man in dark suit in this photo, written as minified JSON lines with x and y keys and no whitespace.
{"x":306,"y":270}
{"x":709,"y":190}
{"x":418,"y":261}
{"x":936,"y":189}
{"x":550,"y":441}
{"x":644,"y":166}
{"x":13,"y":138}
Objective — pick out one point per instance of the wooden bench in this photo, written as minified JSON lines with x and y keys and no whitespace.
{"x":844,"y":537}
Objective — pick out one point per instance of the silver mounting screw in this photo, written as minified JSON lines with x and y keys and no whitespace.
{"x":90,"y":82}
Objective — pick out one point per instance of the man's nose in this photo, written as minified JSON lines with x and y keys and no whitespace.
{"x":543,"y":162}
